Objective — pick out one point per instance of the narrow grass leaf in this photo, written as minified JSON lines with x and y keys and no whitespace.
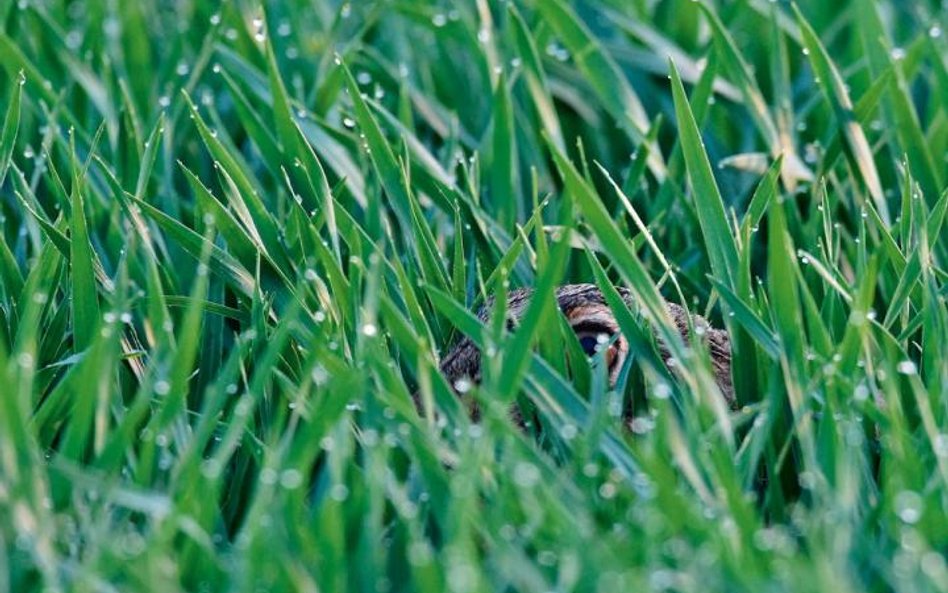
{"x":85,"y":301}
{"x":718,"y":238}
{"x":11,"y":124}
{"x":834,"y":87}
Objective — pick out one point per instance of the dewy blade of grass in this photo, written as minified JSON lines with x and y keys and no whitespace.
{"x":785,"y":300}
{"x":188,"y":341}
{"x":380,"y":152}
{"x":423,"y":161}
{"x":52,"y":231}
{"x":157,"y":323}
{"x":901,"y":111}
{"x":825,"y":272}
{"x":426,"y":107}
{"x":753,"y":97}
{"x":863,"y":111}
{"x":887,"y":241}
{"x":486,"y":37}
{"x":135,"y":53}
{"x":221,"y":262}
{"x":11,"y":280}
{"x":238,"y":241}
{"x":504,"y":194}
{"x":535,"y":78}
{"x":9,"y":271}
{"x":282,"y":111}
{"x":458,"y":263}
{"x":912,"y":139}
{"x":636,"y":173}
{"x":148,"y":157}
{"x":154,"y":505}
{"x":89,"y":388}
{"x":935,"y":222}
{"x":907,"y":215}
{"x":18,"y":65}
{"x":907,"y":283}
{"x":857,"y":330}
{"x":740,"y":299}
{"x":508,"y":261}
{"x":425,"y":244}
{"x":337,"y":159}
{"x":425,"y":326}
{"x":214,"y":400}
{"x":766,"y":192}
{"x":782,"y":87}
{"x":319,"y":186}
{"x":718,"y":237}
{"x":11,"y":124}
{"x":430,"y":381}
{"x":559,"y":401}
{"x":607,"y":80}
{"x":834,"y":87}
{"x":253,"y":122}
{"x":265,"y":366}
{"x":85,"y":301}
{"x":246,"y":196}
{"x":749,"y":320}
{"x":259,"y":223}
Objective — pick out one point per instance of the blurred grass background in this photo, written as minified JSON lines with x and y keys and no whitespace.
{"x":236,"y":237}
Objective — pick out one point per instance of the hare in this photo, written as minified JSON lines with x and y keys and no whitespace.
{"x":590,"y":317}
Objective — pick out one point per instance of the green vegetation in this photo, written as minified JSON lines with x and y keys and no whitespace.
{"x":235,"y":239}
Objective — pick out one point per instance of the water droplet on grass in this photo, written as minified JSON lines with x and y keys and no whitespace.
{"x":907,"y":367}
{"x":909,"y":506}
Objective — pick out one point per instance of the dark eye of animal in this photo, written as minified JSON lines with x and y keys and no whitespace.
{"x":589,"y":344}
{"x":594,"y":338}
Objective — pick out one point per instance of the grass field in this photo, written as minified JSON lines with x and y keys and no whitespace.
{"x":235,"y":240}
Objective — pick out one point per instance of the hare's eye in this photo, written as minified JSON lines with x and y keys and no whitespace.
{"x":589,"y":343}
{"x":593,"y":342}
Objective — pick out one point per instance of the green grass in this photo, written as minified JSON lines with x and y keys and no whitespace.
{"x":235,"y":239}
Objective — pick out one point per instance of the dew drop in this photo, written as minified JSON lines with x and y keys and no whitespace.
{"x":909,"y":506}
{"x":907,"y":367}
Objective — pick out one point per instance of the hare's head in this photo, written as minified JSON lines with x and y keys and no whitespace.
{"x":596,"y":329}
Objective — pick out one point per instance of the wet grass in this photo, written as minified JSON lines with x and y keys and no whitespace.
{"x":236,"y":239}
